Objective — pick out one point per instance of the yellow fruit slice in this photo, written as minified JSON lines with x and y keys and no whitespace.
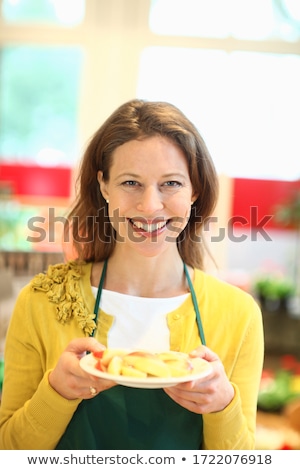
{"x":179,"y":368}
{"x":198,"y":364}
{"x":108,"y":354}
{"x":131,"y":358}
{"x":172,"y":356}
{"x":130,"y":371}
{"x":152,"y":366}
{"x":115,"y":365}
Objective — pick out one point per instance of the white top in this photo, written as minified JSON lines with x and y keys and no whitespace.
{"x":132,"y":313}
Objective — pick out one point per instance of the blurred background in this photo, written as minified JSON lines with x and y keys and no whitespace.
{"x":233,"y":67}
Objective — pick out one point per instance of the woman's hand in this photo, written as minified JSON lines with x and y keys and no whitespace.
{"x":69,"y":380}
{"x":209,"y":394}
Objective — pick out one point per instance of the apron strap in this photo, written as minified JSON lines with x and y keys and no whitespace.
{"x":97,"y":303}
{"x":196,"y":308}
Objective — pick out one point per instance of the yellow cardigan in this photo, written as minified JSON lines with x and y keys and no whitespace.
{"x":57,"y":307}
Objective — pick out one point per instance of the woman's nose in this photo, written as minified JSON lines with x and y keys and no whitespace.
{"x":150,"y":200}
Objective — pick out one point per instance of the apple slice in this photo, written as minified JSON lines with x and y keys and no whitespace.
{"x":115,"y":365}
{"x":180,"y":367}
{"x":108,"y":354}
{"x":130,"y":371}
{"x":98,"y":354}
{"x":131,"y":358}
{"x":100,"y":366}
{"x":172,"y":355}
{"x":198,"y":364}
{"x":153,"y":366}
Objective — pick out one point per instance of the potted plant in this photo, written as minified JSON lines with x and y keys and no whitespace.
{"x":273,"y":291}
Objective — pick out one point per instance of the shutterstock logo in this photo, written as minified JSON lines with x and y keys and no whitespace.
{"x":44,"y":228}
{"x":256,"y":227}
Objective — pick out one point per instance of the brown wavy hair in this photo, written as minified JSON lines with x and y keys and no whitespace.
{"x":93,"y":236}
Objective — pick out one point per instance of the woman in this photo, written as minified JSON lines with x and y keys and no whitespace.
{"x":147,"y":183}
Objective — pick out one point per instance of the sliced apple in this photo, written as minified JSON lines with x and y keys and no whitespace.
{"x":130,"y":371}
{"x":131,"y":358}
{"x":100,"y":366}
{"x":198,"y":364}
{"x":108,"y":354}
{"x":179,"y":367}
{"x":98,"y":354}
{"x":152,"y":366}
{"x":172,"y":355}
{"x":115,"y":365}
{"x":142,"y":364}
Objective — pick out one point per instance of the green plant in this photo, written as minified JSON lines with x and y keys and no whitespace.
{"x":273,"y":287}
{"x":288,"y":214}
{"x":13,"y":222}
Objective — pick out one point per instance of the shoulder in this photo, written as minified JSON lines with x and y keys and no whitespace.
{"x":221,"y":293}
{"x":234,"y":312}
{"x":59,"y":274}
{"x":65,"y":289}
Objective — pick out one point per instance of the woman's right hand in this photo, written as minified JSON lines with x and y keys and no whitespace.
{"x":69,"y":379}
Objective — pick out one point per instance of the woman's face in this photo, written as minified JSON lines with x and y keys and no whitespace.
{"x":149,"y":193}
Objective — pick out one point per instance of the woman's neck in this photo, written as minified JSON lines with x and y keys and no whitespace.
{"x":144,"y":276}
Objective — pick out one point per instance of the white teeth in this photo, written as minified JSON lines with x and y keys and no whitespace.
{"x":149,"y":227}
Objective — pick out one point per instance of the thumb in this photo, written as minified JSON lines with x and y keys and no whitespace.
{"x":79,"y":346}
{"x":205,"y":353}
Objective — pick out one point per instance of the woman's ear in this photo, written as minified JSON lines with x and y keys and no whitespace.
{"x":102,"y":185}
{"x":194,"y":197}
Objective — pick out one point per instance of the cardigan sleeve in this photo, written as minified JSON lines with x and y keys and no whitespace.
{"x":32,"y":414}
{"x":234,"y":427}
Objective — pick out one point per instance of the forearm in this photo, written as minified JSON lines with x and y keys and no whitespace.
{"x":38,"y":424}
{"x":228,"y":429}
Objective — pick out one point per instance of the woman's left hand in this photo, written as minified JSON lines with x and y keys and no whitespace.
{"x":208,"y":394}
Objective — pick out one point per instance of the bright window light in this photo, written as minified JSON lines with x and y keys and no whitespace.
{"x":245,"y":104}
{"x":242,"y":19}
{"x":64,"y":12}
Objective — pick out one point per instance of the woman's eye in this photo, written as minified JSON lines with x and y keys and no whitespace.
{"x":130,"y":183}
{"x":175,"y":184}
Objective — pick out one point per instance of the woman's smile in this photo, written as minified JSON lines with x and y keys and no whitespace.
{"x":148,"y":227}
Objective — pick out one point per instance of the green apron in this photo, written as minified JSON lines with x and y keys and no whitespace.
{"x":133,"y":418}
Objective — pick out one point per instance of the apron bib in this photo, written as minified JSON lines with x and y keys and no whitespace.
{"x":125,"y":418}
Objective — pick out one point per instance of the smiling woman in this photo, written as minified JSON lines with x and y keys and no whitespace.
{"x":169,"y":170}
{"x":147,"y":184}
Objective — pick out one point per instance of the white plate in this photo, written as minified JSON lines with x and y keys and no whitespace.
{"x":88,"y":362}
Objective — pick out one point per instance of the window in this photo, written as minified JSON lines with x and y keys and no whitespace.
{"x":242,"y":19}
{"x":240,"y":88}
{"x":38,"y":104}
{"x":41,"y":60}
{"x":64,"y":12}
{"x":39,"y":84}
{"x":245,"y":104}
